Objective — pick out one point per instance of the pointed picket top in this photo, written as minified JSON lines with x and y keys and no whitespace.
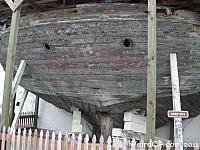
{"x":168,"y":145}
{"x":86,"y":140}
{"x":41,"y":140}
{"x":124,"y":144}
{"x":46,"y":141}
{"x":196,"y":146}
{"x":66,"y":140}
{"x":72,"y":141}
{"x":109,"y":141}
{"x":59,"y":141}
{"x":101,"y":141}
{"x":53,"y":141}
{"x":142,"y":145}
{"x":3,"y":138}
{"x":79,"y":141}
{"x":8,"y":138}
{"x":133,"y":144}
{"x":29,"y":139}
{"x":24,"y":139}
{"x":13,"y":139}
{"x":117,"y":143}
{"x":18,"y":139}
{"x":150,"y":145}
{"x":94,"y":140}
{"x":160,"y":144}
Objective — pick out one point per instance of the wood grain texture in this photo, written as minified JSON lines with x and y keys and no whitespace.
{"x":81,"y":56}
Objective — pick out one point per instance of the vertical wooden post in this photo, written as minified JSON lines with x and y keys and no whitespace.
{"x":151,"y":71}
{"x":178,"y":135}
{"x":10,"y":66}
{"x":36,"y":111}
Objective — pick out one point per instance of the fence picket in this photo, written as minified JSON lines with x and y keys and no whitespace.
{"x":79,"y":143}
{"x":101,"y":141}
{"x":3,"y":138}
{"x":86,"y":140}
{"x":72,"y":142}
{"x":8,"y":140}
{"x":29,"y":140}
{"x":109,"y":143}
{"x":117,"y":144}
{"x":35,"y":140}
{"x":142,"y":146}
{"x":133,"y":144}
{"x":94,"y":139}
{"x":46,"y":141}
{"x":53,"y":141}
{"x":66,"y":140}
{"x":13,"y":139}
{"x":18,"y":139}
{"x":59,"y":143}
{"x":24,"y":140}
{"x":168,"y":145}
{"x":41,"y":140}
{"x":124,"y":144}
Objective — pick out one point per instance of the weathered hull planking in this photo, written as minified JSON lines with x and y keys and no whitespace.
{"x":95,"y":56}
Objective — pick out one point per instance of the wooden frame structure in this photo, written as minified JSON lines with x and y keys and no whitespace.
{"x":7,"y":94}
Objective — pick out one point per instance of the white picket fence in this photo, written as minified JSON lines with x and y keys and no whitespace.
{"x":28,"y":140}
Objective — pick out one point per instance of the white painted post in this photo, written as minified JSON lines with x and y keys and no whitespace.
{"x":178,"y":135}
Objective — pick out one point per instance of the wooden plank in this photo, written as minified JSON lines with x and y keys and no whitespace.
{"x":151,"y":71}
{"x":124,"y":144}
{"x":10,"y":66}
{"x":36,"y":111}
{"x":72,"y":142}
{"x":79,"y":144}
{"x":29,"y":140}
{"x":20,"y":110}
{"x":133,"y":144}
{"x":86,"y":140}
{"x":41,"y":140}
{"x":59,"y":142}
{"x":35,"y":140}
{"x":3,"y":138}
{"x":18,"y":139}
{"x":18,"y":77}
{"x":13,"y":140}
{"x":46,"y":141}
{"x":178,"y":135}
{"x":53,"y":141}
{"x":17,"y":3}
{"x":94,"y":140}
{"x":10,"y":4}
{"x":24,"y":140}
{"x":66,"y":140}
{"x":8,"y":139}
{"x":101,"y":141}
{"x":109,"y":141}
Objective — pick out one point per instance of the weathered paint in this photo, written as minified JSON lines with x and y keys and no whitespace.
{"x":80,"y":56}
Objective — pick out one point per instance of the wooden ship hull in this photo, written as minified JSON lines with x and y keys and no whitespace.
{"x":95,"y":57}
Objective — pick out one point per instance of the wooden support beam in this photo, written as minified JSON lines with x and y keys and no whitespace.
{"x":10,"y":4}
{"x":18,"y":77}
{"x":178,"y":135}
{"x":10,"y":66}
{"x":151,"y":71}
{"x":36,"y":111}
{"x":17,"y":115}
{"x":17,"y":4}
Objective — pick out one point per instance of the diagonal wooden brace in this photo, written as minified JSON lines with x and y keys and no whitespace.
{"x":10,"y":4}
{"x":18,"y":77}
{"x":15,"y":5}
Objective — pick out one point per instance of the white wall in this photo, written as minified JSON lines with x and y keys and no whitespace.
{"x":50,"y":117}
